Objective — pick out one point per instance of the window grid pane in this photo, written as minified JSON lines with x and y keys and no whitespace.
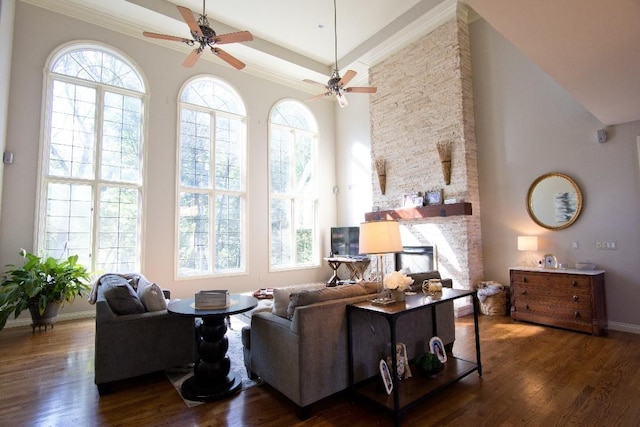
{"x":228,"y":233}
{"x":121,"y":138}
{"x":228,"y":154}
{"x":118,"y":230}
{"x":71,"y":150}
{"x":193,"y":227}
{"x":68,"y":221}
{"x":280,"y":144}
{"x":281,"y":232}
{"x":195,"y":149}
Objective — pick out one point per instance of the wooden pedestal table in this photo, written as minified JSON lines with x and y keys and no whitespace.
{"x":212,"y":376}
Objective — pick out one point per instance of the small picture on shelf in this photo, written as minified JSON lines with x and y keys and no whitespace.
{"x":418,"y":201}
{"x":434,"y":197}
{"x":410,"y":200}
{"x":437,"y":347}
{"x":386,"y":376}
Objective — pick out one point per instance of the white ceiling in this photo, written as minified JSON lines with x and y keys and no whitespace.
{"x":590,"y":47}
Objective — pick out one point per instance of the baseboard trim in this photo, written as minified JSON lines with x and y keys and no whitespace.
{"x":624,"y":327}
{"x":26,"y":319}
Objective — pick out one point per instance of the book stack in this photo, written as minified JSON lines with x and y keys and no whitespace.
{"x":212,"y":299}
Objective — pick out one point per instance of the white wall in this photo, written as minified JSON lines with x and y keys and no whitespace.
{"x":526,"y":125}
{"x":7,"y":12}
{"x":165,"y":76}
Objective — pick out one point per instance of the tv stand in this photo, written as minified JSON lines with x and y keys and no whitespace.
{"x":356,"y":267}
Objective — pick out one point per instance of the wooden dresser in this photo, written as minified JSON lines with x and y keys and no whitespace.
{"x":571,"y":299}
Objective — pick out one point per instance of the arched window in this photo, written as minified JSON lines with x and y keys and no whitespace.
{"x":211,"y":179}
{"x":293,"y":134}
{"x":92,"y":157}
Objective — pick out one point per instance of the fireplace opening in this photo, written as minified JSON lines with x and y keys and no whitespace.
{"x":415,"y":259}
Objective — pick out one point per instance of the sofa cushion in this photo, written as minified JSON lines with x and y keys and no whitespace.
{"x":313,"y":296}
{"x":281,"y":296}
{"x":120,"y":295}
{"x":152,"y":297}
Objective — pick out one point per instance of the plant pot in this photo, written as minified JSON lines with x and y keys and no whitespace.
{"x":47,"y":318}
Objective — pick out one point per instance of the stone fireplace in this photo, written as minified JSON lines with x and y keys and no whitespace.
{"x":425,"y":97}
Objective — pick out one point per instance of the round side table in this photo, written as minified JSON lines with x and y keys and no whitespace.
{"x":212,"y":376}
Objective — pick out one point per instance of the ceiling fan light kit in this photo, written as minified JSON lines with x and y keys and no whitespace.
{"x":336,"y":86}
{"x":205,"y":37}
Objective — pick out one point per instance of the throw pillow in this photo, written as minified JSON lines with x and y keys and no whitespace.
{"x":120,"y":295}
{"x":152,"y":297}
{"x":281,"y":296}
{"x":309,"y":297}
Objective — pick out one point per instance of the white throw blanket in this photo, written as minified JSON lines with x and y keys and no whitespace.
{"x":489,"y":290}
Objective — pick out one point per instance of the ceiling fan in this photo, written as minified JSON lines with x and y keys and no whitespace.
{"x":336,"y":84}
{"x":204,"y":36}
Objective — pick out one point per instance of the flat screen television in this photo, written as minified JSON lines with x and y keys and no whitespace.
{"x":345,"y":241}
{"x":415,"y":259}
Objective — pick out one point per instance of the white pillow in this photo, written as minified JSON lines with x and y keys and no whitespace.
{"x":152,"y":298}
{"x":281,"y":296}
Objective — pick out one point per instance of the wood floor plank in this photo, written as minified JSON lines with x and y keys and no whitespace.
{"x":532,"y":375}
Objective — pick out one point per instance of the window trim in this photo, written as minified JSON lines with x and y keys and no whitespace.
{"x":213,"y":192}
{"x":292,"y":197}
{"x":96,"y":182}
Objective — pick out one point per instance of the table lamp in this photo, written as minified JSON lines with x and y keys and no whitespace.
{"x":380,"y":238}
{"x":528,"y":244}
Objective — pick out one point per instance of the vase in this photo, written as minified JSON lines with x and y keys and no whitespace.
{"x":397,"y":295}
{"x":47,"y":318}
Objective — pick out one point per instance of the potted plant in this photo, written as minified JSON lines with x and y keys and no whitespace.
{"x":429,"y":364}
{"x":42,"y":286}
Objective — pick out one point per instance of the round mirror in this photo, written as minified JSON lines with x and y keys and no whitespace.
{"x":554,"y":201}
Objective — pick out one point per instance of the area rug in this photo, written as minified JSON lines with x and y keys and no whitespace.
{"x":180,"y":374}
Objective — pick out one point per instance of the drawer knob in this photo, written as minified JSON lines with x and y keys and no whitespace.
{"x":576,"y":314}
{"x":524,"y":292}
{"x":575,"y":297}
{"x":524,"y":279}
{"x":526,"y":306}
{"x":574,"y":283}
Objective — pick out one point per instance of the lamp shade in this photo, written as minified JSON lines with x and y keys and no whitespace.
{"x":380,"y":237}
{"x":527,"y":243}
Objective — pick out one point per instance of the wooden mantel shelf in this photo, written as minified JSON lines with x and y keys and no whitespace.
{"x":421,"y":212}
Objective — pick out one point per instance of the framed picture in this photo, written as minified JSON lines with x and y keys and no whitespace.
{"x":386,"y":376}
{"x":409,"y":200}
{"x":434,"y":197}
{"x":418,"y":200}
{"x":437,"y":347}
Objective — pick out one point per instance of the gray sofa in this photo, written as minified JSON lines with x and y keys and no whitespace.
{"x":304,"y":354}
{"x":135,"y":344}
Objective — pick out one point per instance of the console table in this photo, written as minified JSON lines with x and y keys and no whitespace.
{"x":410,"y":391}
{"x":212,"y":378}
{"x":570,"y":299}
{"x":356,"y":267}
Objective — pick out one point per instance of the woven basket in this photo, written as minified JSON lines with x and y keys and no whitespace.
{"x":493,"y":305}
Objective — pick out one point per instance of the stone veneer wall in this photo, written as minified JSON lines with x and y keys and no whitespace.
{"x":424,"y":97}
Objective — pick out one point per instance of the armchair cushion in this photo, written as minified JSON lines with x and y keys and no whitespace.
{"x":152,"y":297}
{"x":281,"y":296}
{"x":120,"y":295}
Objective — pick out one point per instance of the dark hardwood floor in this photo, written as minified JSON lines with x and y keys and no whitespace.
{"x":532,"y":376}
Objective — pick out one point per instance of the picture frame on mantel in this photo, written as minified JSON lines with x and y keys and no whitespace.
{"x":410,"y":200}
{"x":434,"y":197}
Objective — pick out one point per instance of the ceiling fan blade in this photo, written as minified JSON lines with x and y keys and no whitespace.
{"x":350,"y":74}
{"x":315,"y":83}
{"x":313,"y":98}
{"x":165,"y":37}
{"x":240,"y":36}
{"x":187,"y":15}
{"x":229,"y":59}
{"x":361,"y":89}
{"x":342,"y":100}
{"x":192,"y":58}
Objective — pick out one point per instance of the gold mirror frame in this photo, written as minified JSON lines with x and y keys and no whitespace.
{"x":546,"y":200}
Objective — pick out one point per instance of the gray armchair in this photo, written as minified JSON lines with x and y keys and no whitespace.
{"x":136,"y":344}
